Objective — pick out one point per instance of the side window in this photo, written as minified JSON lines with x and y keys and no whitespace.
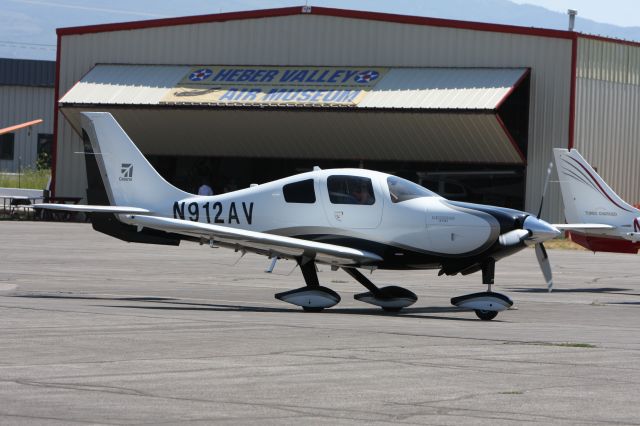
{"x":45,"y":144}
{"x":350,"y":190}
{"x":6,"y":146}
{"x":402,"y":190}
{"x":300,"y":192}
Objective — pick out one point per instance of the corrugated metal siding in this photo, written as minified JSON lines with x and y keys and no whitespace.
{"x":608,"y":113}
{"x":331,"y":41}
{"x":442,"y":88}
{"x":19,"y":104}
{"x":607,"y":61}
{"x":26,"y":72}
{"x":125,"y":84}
{"x":416,"y":88}
{"x":355,"y":134}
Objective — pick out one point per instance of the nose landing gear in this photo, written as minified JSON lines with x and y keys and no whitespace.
{"x":486,"y":304}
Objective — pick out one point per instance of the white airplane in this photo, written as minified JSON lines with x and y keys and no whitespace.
{"x":345,"y":218}
{"x":598,"y":218}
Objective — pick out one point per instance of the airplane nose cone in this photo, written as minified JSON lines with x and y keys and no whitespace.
{"x":539,"y":230}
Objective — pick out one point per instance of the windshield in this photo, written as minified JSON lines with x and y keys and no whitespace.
{"x":403,"y":190}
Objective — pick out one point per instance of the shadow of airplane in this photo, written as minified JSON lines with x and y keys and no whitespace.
{"x":405,"y":313}
{"x":171,"y":304}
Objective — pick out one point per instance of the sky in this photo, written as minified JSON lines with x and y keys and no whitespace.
{"x":27,"y":27}
{"x":625,"y":13}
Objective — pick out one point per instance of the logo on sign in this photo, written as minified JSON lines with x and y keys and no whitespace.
{"x":126,"y":172}
{"x":366,"y":76}
{"x":200,"y":75}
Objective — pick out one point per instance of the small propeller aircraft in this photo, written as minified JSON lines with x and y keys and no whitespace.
{"x":599,"y":219}
{"x":346,"y":218}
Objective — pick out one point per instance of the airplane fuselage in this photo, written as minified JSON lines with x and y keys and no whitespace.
{"x":421,"y":231}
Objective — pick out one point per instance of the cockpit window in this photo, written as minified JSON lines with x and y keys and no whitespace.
{"x":300,"y":192}
{"x":403,"y":190}
{"x":350,"y":190}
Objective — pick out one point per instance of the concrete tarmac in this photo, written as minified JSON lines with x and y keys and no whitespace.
{"x":97,"y":331}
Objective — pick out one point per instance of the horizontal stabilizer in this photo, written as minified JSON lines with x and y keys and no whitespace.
{"x":92,"y":209}
{"x":584,"y":227}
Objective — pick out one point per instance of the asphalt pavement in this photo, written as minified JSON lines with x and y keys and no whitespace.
{"x":98,"y":331}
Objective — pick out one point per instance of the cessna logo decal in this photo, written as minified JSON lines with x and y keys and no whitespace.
{"x":126,"y":172}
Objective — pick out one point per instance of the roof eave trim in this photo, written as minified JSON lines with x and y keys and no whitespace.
{"x":321,"y":11}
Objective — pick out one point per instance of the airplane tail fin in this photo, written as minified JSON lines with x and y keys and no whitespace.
{"x":587,"y":198}
{"x":129,"y":179}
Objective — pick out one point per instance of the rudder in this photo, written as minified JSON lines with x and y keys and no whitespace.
{"x":129,"y":179}
{"x":586,"y":196}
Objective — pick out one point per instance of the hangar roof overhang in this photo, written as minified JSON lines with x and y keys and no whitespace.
{"x":376,"y":113}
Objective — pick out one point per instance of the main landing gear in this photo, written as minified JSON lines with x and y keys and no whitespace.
{"x":313,"y":297}
{"x":486,"y":304}
{"x":391,"y":298}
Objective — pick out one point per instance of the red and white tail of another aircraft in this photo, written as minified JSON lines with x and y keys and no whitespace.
{"x":597,"y":217}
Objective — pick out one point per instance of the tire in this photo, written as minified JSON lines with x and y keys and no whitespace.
{"x":486,"y":315}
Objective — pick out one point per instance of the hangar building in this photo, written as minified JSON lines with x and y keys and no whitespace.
{"x":26,"y":94}
{"x":471,"y":110}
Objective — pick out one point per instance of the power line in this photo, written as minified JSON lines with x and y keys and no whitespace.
{"x":24,"y":45}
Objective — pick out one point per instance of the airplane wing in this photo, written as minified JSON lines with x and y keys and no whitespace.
{"x":89,"y":209}
{"x":583,"y":227}
{"x":260,"y":242}
{"x":20,"y":126}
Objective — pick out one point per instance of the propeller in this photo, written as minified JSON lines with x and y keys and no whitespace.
{"x":544,"y":188}
{"x":534,"y":232}
{"x":545,"y":265}
{"x":541,"y":252}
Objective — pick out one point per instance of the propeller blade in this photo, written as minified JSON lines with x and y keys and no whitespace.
{"x":544,"y":189}
{"x":545,"y":266}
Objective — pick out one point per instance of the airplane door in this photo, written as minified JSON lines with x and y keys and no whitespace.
{"x":352,"y":201}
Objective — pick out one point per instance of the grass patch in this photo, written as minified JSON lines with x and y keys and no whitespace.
{"x":28,"y":179}
{"x":562,"y":243}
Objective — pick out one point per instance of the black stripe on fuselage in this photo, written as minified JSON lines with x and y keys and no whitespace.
{"x":400,"y":258}
{"x":509,"y":219}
